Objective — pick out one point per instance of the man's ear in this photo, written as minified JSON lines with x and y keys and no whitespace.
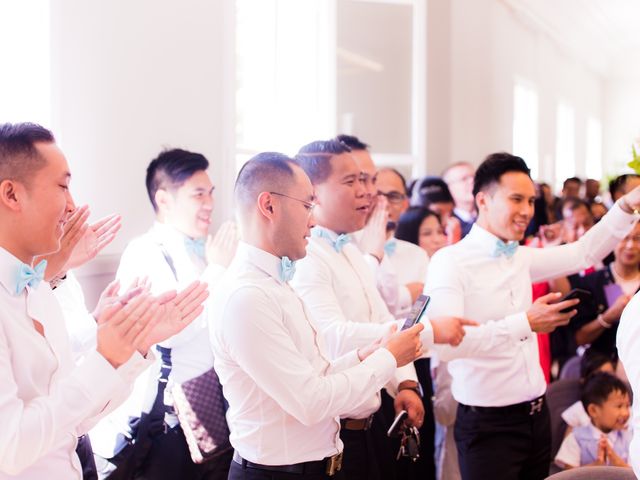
{"x":265,"y":205}
{"x":163,"y":200}
{"x":481,"y":200}
{"x":11,"y":194}
{"x":592,"y":409}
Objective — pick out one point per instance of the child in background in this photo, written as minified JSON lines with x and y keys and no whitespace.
{"x":605,"y":440}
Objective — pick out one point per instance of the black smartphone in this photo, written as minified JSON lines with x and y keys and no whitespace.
{"x":579,"y":293}
{"x":417,"y":309}
{"x":394,"y":429}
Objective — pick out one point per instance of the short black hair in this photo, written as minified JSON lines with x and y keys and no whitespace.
{"x":353,"y":142}
{"x":591,"y":362}
{"x":399,"y":175}
{"x":264,"y":172}
{"x":431,"y":190}
{"x":494,"y":167}
{"x":571,"y":180}
{"x":408,"y":228}
{"x":18,"y":153}
{"x":598,"y":388}
{"x":573,"y":203}
{"x":617,"y":184}
{"x":315,"y":158}
{"x":170,"y":169}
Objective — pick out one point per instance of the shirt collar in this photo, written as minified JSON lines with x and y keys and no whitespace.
{"x":9,"y":268}
{"x":483,"y":238}
{"x":265,"y":261}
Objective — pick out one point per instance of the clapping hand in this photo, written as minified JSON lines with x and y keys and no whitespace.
{"x":97,"y":236}
{"x":74,"y":229}
{"x":221,"y":248}
{"x":374,"y":234}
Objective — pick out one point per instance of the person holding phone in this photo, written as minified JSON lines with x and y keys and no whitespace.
{"x":502,"y":428}
{"x":285,"y":393}
{"x":596,"y":322}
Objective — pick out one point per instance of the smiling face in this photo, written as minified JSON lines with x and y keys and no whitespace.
{"x":343,"y":203}
{"x":612,"y":414}
{"x":188,"y":208}
{"x":46,"y":204}
{"x":368,"y":173}
{"x":506,"y":207}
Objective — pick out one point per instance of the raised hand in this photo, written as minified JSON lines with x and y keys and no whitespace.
{"x":175,"y":311}
{"x":221,"y":248}
{"x":74,"y":229}
{"x":374,"y":234}
{"x":122,"y":328}
{"x":111,"y":296}
{"x":97,"y":236}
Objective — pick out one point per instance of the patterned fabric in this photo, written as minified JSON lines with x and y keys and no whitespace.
{"x":201,"y":409}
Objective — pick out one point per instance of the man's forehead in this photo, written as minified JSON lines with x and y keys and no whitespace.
{"x":389,"y":179}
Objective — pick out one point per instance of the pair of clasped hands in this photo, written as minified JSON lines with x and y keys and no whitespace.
{"x":134,"y":320}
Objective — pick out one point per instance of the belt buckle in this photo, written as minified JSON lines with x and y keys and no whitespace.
{"x":536,"y":406}
{"x":334,"y":464}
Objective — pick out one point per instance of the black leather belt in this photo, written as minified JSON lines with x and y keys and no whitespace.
{"x":356,"y":423}
{"x":525,"y":408}
{"x":329,"y":465}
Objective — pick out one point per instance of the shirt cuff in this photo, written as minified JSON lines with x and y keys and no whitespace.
{"x":518,"y":326}
{"x":383,"y":364}
{"x":345,"y":362}
{"x":135,"y":366}
{"x":426,"y":336}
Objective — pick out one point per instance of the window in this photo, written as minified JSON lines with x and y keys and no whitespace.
{"x":25,"y":92}
{"x":594,"y":148}
{"x":309,"y":69}
{"x":525,"y":126}
{"x":565,"y":148}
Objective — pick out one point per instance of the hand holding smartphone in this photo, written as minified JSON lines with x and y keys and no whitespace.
{"x":418,"y":308}
{"x":580,"y":294}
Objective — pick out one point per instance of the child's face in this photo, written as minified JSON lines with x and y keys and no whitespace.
{"x":613,"y":414}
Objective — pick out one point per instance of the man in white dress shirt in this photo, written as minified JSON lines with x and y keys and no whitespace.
{"x":502,"y":429}
{"x":339,"y":289}
{"x":285,"y":395}
{"x":46,"y":401}
{"x":172,"y":254}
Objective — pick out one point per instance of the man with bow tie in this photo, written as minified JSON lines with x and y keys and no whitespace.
{"x":173,"y":253}
{"x":340,"y":291}
{"x":502,"y":429}
{"x":285,"y":394}
{"x":46,"y":401}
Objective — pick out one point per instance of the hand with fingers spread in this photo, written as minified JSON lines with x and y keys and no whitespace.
{"x":74,"y":228}
{"x":450,"y":329}
{"x":221,"y":248}
{"x":405,"y":345}
{"x":175,"y":311}
{"x":374,"y":234}
{"x":122,"y":328}
{"x":97,"y":236}
{"x":545,"y":313}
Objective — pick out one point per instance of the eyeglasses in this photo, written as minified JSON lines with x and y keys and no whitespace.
{"x":393,"y":197}
{"x":308,"y":205}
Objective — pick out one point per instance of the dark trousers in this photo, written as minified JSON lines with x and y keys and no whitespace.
{"x":238,"y":472}
{"x":503,"y":445}
{"x":424,"y":468}
{"x":361,"y":459}
{"x":85,"y":454}
{"x":169,"y":459}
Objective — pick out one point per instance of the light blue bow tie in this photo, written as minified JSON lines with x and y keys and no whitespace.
{"x":30,"y":276}
{"x":287,"y":269}
{"x":506,"y":249}
{"x":337,"y":244}
{"x":390,"y":247}
{"x":195,"y":246}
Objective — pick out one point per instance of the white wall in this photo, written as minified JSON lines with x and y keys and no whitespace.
{"x":129,"y":78}
{"x":621,"y":122}
{"x":489,"y":47}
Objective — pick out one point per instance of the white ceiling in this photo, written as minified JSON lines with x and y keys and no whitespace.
{"x":605,"y":34}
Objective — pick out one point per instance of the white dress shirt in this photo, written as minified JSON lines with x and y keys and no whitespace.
{"x":628,"y":343}
{"x":191,"y":353}
{"x":497,"y":362}
{"x":80,"y":324}
{"x":46,"y":401}
{"x":406,"y":263}
{"x":284,"y":396}
{"x":346,"y":307}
